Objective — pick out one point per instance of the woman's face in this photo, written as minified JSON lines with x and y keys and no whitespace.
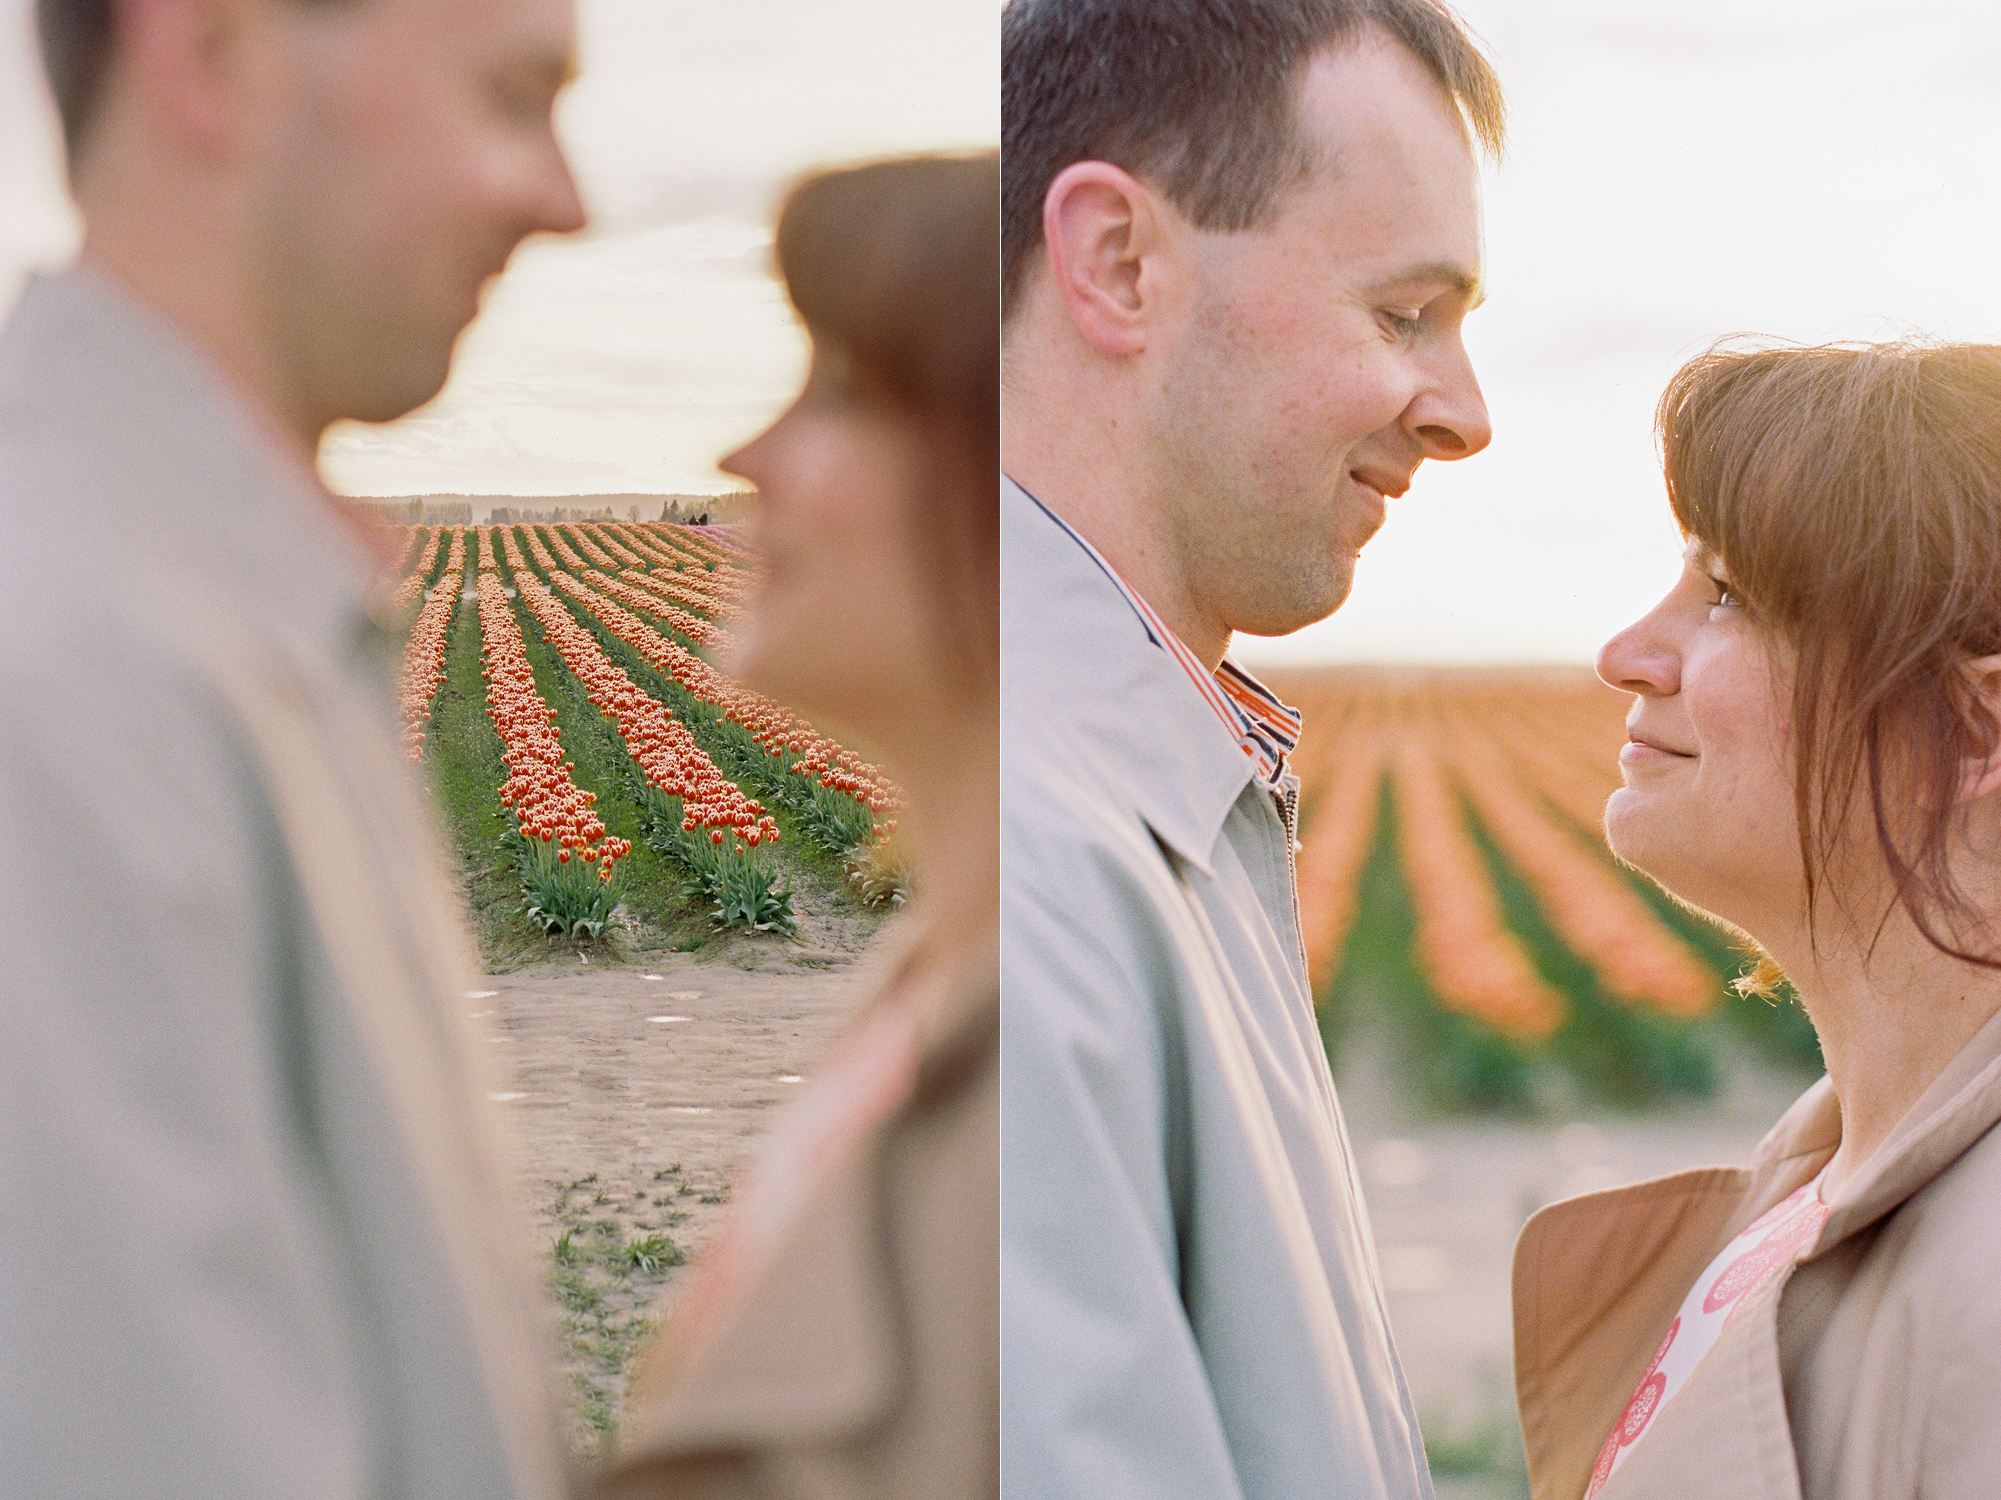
{"x":1707,"y":808}
{"x":840,"y":626}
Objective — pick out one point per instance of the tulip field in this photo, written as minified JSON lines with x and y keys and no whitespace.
{"x":1453,"y":876}
{"x":557,"y":682}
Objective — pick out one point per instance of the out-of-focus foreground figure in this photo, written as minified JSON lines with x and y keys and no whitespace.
{"x":841,"y":1338}
{"x":253,"y":1240}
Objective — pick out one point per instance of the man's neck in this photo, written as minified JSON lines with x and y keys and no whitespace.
{"x":163,"y":234}
{"x":1135,"y":552}
{"x":1071,"y":435}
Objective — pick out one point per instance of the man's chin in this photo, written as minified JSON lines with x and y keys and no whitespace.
{"x":1296,"y":615}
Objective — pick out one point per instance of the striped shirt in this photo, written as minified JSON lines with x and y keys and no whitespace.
{"x":1265,"y":729}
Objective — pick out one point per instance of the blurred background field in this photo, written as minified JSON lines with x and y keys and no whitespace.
{"x":1512,"y":1016}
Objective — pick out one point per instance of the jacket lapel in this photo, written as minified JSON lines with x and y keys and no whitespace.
{"x":1596,"y":1280}
{"x":1599,"y":1278}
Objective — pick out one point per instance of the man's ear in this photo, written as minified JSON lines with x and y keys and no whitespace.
{"x":1980,"y":767}
{"x":200,"y":68}
{"x":1103,"y":237}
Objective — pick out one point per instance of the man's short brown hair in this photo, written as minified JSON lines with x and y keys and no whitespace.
{"x":76,"y":51}
{"x":75,"y":37}
{"x":1198,"y":97}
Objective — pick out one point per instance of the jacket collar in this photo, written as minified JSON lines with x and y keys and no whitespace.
{"x":1078,"y":662}
{"x":1583,"y":1332}
{"x":1959,"y":1107}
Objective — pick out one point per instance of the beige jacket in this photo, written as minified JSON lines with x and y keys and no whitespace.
{"x":860,"y":1360}
{"x":1871,"y":1371}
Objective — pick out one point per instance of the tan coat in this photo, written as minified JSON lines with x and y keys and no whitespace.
{"x":862,"y":1359}
{"x":1871,"y":1371}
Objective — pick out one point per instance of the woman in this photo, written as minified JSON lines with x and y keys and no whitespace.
{"x":1814,"y":758}
{"x":840,"y":1339}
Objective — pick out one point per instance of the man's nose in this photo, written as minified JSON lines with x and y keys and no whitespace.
{"x":1450,"y":421}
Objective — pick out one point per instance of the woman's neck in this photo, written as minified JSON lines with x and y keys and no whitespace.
{"x":951,"y":820}
{"x":1890,"y":1015}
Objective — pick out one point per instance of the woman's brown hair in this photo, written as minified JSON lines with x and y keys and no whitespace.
{"x":1853,"y":494}
{"x":897,"y":264}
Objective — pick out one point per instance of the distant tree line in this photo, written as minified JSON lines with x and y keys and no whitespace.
{"x":505,"y":510}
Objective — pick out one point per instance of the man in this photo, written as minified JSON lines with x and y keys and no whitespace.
{"x":1239,"y":239}
{"x":252,"y":1239}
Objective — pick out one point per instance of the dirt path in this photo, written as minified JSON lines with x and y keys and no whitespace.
{"x":636,"y":1094}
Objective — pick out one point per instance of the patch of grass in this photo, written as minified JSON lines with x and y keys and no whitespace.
{"x":1489,"y":1448}
{"x":608,"y":1265}
{"x":652,"y":1252}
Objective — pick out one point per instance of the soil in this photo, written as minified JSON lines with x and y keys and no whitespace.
{"x":637,"y":1092}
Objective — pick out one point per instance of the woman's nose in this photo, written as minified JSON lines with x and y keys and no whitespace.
{"x":1640,"y":659}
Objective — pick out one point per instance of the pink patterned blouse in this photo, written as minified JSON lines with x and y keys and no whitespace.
{"x":1784,"y":1232}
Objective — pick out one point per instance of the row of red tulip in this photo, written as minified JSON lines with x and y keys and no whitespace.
{"x":1475,"y":963}
{"x":699,"y":545}
{"x":608,"y":535}
{"x":659,"y":743}
{"x":580,"y":537}
{"x":550,"y":810}
{"x":729,"y":540}
{"x":537,"y":548}
{"x":829,"y":762}
{"x":650,"y":594}
{"x":642,"y":544}
{"x":684,"y":589}
{"x":423,"y":666}
{"x":776,"y":729}
{"x":413,"y":537}
{"x":1535,"y":760}
{"x":512,"y":549}
{"x":1596,"y":912}
{"x":561,"y":547}
{"x":413,"y":582}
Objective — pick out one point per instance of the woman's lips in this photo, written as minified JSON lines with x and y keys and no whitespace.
{"x":1638,"y":752}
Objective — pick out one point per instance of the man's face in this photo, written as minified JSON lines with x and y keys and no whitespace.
{"x":414,"y":148}
{"x":1318,"y":360}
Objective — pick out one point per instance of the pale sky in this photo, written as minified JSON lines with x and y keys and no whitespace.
{"x":1679,"y":169}
{"x":630,"y":357}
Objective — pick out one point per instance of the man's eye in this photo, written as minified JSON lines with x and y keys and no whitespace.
{"x":1726,"y":596}
{"x":1404,"y":323}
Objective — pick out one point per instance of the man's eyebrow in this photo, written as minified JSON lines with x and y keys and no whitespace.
{"x":1449,"y":274}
